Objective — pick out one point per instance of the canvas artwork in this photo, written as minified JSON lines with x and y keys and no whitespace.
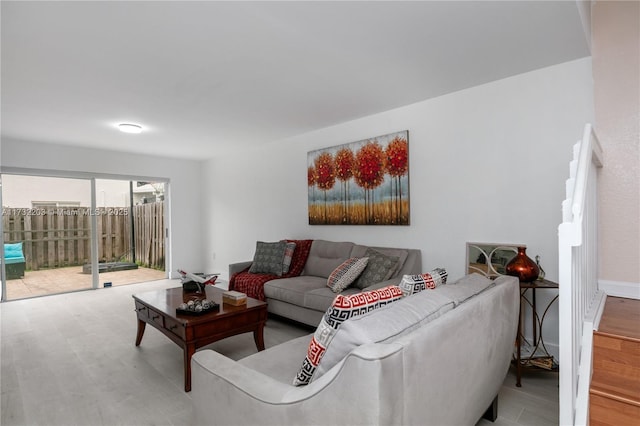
{"x":360,"y":183}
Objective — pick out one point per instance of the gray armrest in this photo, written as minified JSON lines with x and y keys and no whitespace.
{"x":238,"y":266}
{"x":227,"y":392}
{"x":211,"y":370}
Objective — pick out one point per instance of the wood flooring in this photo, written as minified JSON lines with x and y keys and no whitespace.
{"x":70,"y":359}
{"x":615,"y":386}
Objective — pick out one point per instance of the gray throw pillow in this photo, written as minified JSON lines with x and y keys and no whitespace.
{"x":268,"y":258}
{"x":379,"y":268}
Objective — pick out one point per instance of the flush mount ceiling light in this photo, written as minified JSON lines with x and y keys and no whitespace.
{"x":130,"y":128}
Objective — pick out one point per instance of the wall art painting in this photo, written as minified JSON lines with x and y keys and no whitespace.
{"x":360,"y":183}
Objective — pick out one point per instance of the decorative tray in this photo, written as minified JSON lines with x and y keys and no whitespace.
{"x":197,"y":307}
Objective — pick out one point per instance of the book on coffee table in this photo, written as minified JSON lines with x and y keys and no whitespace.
{"x":234,"y":298}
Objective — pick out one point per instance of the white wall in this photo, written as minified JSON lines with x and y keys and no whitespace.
{"x":183,"y":176}
{"x":616,"y":73}
{"x":487,"y":164}
{"x":21,"y":191}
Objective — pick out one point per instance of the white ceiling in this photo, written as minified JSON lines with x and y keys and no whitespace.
{"x":203,"y":77}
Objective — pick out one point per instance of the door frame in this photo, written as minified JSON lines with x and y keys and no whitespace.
{"x":91,"y":177}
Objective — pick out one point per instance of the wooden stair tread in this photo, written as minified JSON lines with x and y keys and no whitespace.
{"x":621,"y":317}
{"x":605,"y":411}
{"x":627,"y":391}
{"x":615,"y":383}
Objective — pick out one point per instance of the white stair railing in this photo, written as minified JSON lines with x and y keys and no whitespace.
{"x":580,"y":300}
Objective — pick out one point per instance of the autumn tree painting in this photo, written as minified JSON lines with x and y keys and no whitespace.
{"x":325,"y":176}
{"x":374,"y":182}
{"x":344,"y":161}
{"x":369,"y":174}
{"x":311,"y":181}
{"x":311,"y":184}
{"x":397,"y":163}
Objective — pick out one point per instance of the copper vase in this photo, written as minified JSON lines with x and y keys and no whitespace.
{"x":523,"y":267}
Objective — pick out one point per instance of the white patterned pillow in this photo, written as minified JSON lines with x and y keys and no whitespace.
{"x":346,"y":273}
{"x":343,"y":308}
{"x":412,"y":284}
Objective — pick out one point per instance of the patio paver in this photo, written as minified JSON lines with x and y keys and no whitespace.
{"x":62,"y":280}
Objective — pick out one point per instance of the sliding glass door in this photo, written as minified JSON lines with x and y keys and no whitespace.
{"x":131,"y":231}
{"x":63,"y":234}
{"x":47,"y":227}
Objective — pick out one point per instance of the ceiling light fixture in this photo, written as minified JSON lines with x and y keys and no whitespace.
{"x":130,"y":128}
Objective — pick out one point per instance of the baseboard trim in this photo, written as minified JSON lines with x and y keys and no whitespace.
{"x":620,"y":288}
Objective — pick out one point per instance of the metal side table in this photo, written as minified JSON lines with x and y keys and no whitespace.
{"x":544,"y":361}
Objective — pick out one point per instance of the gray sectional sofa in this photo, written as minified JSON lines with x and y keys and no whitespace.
{"x":305,"y":298}
{"x":437,"y":357}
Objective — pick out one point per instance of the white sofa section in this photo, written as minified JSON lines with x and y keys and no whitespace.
{"x":431,"y":364}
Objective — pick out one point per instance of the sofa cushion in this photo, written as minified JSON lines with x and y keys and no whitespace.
{"x":293,"y":290}
{"x":402,"y":254}
{"x":346,"y":273}
{"x":343,"y":308}
{"x":379,"y":268}
{"x":253,"y":284}
{"x":385,"y":324}
{"x":321,"y":299}
{"x":13,"y":252}
{"x":325,"y":256}
{"x":466,"y":287}
{"x":268,"y":258}
{"x":281,"y":361}
{"x":412,"y":284}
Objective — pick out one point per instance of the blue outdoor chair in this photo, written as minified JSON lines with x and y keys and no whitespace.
{"x":14,"y":261}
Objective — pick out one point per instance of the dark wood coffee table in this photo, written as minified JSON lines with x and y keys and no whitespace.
{"x":158,"y":308}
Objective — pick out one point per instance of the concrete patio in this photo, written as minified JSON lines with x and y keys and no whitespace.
{"x":62,"y":280}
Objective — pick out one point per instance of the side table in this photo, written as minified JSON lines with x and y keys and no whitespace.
{"x":545,"y":360}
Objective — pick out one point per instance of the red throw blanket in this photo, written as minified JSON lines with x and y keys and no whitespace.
{"x":253,"y":284}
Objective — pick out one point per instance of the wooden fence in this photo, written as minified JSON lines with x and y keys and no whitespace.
{"x":149,"y":234}
{"x":58,"y":237}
